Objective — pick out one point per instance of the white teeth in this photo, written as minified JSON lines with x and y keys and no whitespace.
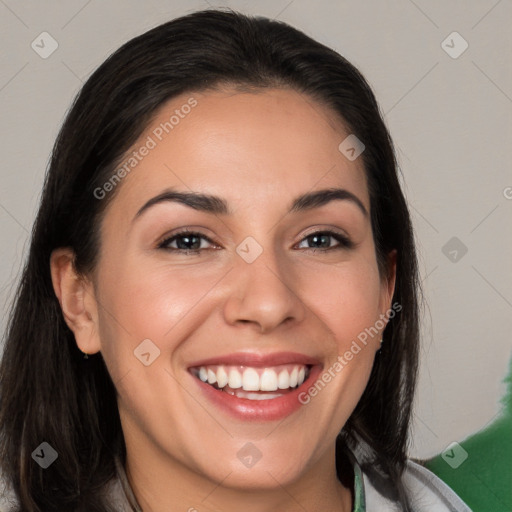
{"x":251,"y":380}
{"x":268,"y":380}
{"x":222,"y":377}
{"x":203,"y":374}
{"x":293,"y":377}
{"x":212,"y":377}
{"x":283,"y":380}
{"x":302,"y":375}
{"x":254,"y":379}
{"x":235,"y":379}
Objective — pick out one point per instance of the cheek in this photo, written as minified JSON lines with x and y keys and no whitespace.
{"x":139,"y":302}
{"x":346,"y":302}
{"x":345,"y":298}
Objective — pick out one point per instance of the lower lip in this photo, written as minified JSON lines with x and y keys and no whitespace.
{"x":259,"y":410}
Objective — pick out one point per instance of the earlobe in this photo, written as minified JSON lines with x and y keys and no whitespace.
{"x":76,"y":298}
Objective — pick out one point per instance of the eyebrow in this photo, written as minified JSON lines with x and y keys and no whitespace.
{"x":218,"y":206}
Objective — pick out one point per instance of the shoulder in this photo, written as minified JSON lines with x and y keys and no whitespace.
{"x":113,"y":491}
{"x":116,"y":494}
{"x":8,"y":499}
{"x":426,"y":492}
{"x":429,"y":492}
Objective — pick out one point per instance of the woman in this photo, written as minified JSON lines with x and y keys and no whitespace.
{"x":220,"y":304}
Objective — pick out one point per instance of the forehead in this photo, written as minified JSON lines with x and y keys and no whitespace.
{"x":270,"y":145}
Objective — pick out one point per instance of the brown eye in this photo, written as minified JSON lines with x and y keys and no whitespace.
{"x":186,"y":241}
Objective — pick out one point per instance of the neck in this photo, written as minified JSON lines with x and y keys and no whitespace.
{"x":161,"y":483}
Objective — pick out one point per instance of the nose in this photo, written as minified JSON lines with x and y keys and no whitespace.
{"x":262,"y":293}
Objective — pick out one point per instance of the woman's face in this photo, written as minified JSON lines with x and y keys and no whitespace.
{"x":275,"y":293}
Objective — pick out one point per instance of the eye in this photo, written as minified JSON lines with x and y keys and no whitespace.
{"x":186,"y":242}
{"x":190,"y":242}
{"x":321,"y":240}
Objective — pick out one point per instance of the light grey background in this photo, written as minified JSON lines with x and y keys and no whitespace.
{"x":450,"y":119}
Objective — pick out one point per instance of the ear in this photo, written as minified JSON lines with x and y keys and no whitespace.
{"x":388,"y":282}
{"x":387,"y":292}
{"x":77,"y":300}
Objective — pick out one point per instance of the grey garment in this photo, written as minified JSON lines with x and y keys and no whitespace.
{"x":124,"y":491}
{"x":426,"y":491}
{"x":8,"y":500}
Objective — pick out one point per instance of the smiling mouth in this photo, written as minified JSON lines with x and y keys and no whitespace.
{"x":253,"y":383}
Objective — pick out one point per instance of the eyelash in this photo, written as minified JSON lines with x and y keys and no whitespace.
{"x":343,"y":241}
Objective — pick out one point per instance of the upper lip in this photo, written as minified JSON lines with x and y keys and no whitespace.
{"x":258,"y":360}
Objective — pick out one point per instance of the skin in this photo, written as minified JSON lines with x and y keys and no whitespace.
{"x":252,"y":149}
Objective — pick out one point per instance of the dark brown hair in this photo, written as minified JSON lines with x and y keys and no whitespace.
{"x":48,"y":391}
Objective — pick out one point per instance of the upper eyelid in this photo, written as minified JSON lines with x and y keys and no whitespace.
{"x":335,"y":231}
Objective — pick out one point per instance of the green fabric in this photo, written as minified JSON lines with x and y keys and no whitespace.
{"x":484,"y":479}
{"x":359,"y":497}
